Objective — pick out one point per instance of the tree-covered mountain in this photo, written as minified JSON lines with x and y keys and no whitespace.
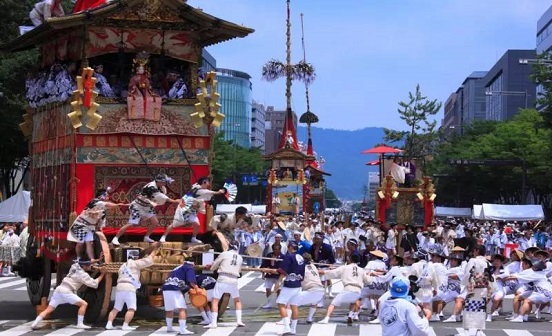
{"x":341,"y":151}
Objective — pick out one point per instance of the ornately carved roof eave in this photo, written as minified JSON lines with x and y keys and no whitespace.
{"x":213,"y":29}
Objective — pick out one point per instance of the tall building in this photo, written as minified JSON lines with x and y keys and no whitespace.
{"x":235,"y":91}
{"x":274,"y":125}
{"x":466,"y":104}
{"x":208,"y":62}
{"x":449,"y":121}
{"x":544,"y":32}
{"x":258,"y":119}
{"x":373,"y":184}
{"x":508,"y":85}
{"x":544,"y":42}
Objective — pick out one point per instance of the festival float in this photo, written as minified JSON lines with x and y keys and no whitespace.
{"x":405,"y":196}
{"x":117,"y":97}
{"x":296,"y":180}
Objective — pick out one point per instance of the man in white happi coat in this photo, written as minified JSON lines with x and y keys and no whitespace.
{"x":44,"y":10}
{"x":228,"y":266}
{"x":66,"y":292}
{"x":143,"y":207}
{"x":451,"y":290}
{"x":312,"y":289}
{"x":223,"y":226}
{"x":128,"y":282}
{"x":354,"y":278}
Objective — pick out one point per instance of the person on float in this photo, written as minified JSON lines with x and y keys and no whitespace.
{"x":143,"y":207}
{"x":399,"y":315}
{"x":179,"y":282}
{"x":322,"y":253}
{"x":66,"y":292}
{"x":270,"y":279}
{"x":291,"y":274}
{"x":88,"y":222}
{"x":312,"y":291}
{"x":208,"y":283}
{"x":354,"y":278}
{"x":200,"y":192}
{"x":128,"y":282}
{"x":228,"y":266}
{"x":102,"y":85}
{"x":44,"y":10}
{"x":143,"y":102}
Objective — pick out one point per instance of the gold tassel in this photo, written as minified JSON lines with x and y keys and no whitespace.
{"x":219,"y":117}
{"x":25,"y":128}
{"x":93,"y":121}
{"x":197,"y":120}
{"x":75,"y":120}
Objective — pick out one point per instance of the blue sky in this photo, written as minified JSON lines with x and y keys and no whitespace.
{"x":369,"y":54}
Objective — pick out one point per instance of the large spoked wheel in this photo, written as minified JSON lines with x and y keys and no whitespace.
{"x":223,"y":304}
{"x":99,"y":298}
{"x":39,"y":274}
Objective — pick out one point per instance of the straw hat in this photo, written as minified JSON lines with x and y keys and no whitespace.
{"x":458,"y":249}
{"x":378,"y":254}
{"x":519,"y":254}
{"x":254,"y":250}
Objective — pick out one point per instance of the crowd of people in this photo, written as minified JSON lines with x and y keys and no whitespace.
{"x":388,"y":274}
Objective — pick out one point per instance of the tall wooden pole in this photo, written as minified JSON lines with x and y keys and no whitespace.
{"x":289,"y":66}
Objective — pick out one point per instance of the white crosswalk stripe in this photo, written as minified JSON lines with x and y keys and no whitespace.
{"x":18,"y":328}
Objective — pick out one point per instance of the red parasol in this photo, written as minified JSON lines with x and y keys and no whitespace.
{"x":373,"y":163}
{"x":381,"y":150}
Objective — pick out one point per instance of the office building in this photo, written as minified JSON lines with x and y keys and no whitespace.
{"x":235,"y":91}
{"x":449,"y":121}
{"x":258,"y":119}
{"x":508,"y":86}
{"x":466,"y":104}
{"x":544,"y":32}
{"x":274,"y":125}
{"x":208,"y":62}
{"x":544,"y":43}
{"x":373,"y":184}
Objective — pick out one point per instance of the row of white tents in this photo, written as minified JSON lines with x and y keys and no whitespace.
{"x":500,"y":212}
{"x":16,"y":208}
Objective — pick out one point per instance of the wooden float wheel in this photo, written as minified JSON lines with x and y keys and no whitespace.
{"x":223,"y":304}
{"x":38,"y":285}
{"x":99,"y":298}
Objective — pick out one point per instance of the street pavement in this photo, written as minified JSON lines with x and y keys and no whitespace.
{"x":16,"y":314}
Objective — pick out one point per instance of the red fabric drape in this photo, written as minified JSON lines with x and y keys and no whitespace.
{"x":289,"y":126}
{"x":83,"y":5}
{"x":428,"y":207}
{"x":382,"y":207}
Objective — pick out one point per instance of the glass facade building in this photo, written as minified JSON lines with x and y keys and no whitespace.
{"x":495,"y":101}
{"x":235,"y":91}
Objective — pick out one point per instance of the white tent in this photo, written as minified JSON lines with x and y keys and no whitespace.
{"x":453,"y":212}
{"x":258,"y":209}
{"x":512,"y":212}
{"x":16,"y":208}
{"x":478,"y":211}
{"x":231,"y":208}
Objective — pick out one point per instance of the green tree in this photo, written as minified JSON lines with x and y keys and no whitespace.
{"x":511,"y":140}
{"x":422,"y":136}
{"x":542,"y":75}
{"x":331,"y":199}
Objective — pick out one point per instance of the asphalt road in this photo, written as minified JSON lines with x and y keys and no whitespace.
{"x":16,"y":313}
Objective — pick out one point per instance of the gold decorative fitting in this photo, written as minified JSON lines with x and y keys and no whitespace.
{"x":207,"y":110}
{"x":25,"y":128}
{"x":85,"y":96}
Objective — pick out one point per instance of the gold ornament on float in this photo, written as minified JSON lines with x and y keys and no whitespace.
{"x":85,"y":96}
{"x":207,"y":110}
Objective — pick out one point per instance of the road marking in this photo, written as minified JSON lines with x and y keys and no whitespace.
{"x":513,"y":332}
{"x":67,"y":331}
{"x":161,"y":332}
{"x":366,"y":329}
{"x":220,"y":331}
{"x":114,"y":332}
{"x":24,"y":288}
{"x":261,"y":289}
{"x":17,"y":331}
{"x":269,"y":328}
{"x":318,"y":329}
{"x":13,"y":283}
{"x":244,"y":280}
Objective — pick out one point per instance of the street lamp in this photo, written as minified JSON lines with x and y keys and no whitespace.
{"x":509,"y":93}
